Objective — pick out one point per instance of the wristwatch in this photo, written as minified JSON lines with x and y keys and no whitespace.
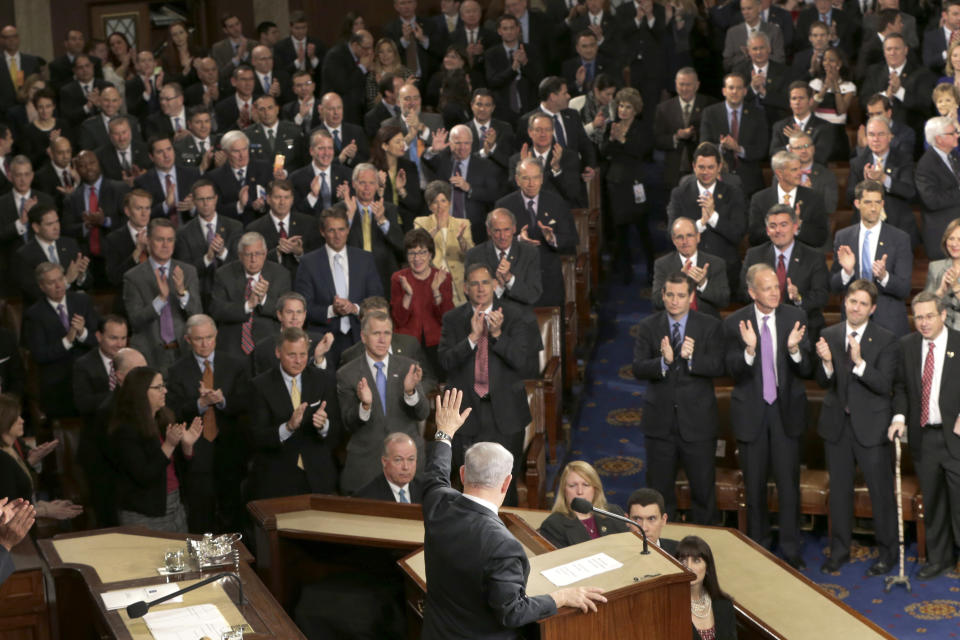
{"x":440,"y":435}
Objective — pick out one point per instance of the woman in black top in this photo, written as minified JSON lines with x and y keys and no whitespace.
{"x":151,"y":452}
{"x":710,"y":608}
{"x":564,"y":527}
{"x":398,"y":175}
{"x":47,"y":127}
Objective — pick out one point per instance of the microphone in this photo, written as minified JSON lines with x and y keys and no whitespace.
{"x":581,"y":505}
{"x":138,"y":609}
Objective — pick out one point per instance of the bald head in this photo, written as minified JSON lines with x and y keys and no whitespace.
{"x":126,"y":360}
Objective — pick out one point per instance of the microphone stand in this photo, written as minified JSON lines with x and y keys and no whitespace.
{"x":138,"y":609}
{"x":581,"y":505}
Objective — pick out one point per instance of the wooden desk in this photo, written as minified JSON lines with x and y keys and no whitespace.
{"x":85,"y":565}
{"x":23,"y":602}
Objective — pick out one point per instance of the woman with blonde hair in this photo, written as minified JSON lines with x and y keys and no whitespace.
{"x":564,"y":526}
{"x":943,"y":276}
{"x":386,"y":59}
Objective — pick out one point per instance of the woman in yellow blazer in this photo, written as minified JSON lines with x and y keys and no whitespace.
{"x":451,"y":236}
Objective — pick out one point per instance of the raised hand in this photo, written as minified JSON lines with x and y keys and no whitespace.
{"x":320,"y":416}
{"x":174,"y":434}
{"x":495,"y":322}
{"x":525,"y":237}
{"x":823,"y":351}
{"x":364,"y":394}
{"x":686,"y":349}
{"x":880,"y":268}
{"x":323,"y":346}
{"x":412,"y":379}
{"x":447,"y":415}
{"x":41,"y":451}
{"x":796,"y":335}
{"x":748,"y":335}
{"x":297,"y":418}
{"x":191,"y":435}
{"x":178,"y":279}
{"x":406,"y":286}
{"x":793,"y":292}
{"x":846,"y":258}
{"x":477,"y":326}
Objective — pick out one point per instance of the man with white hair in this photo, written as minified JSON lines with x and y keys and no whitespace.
{"x":241,"y":182}
{"x":398,"y":482}
{"x":938,"y":182}
{"x":476,"y":568}
{"x":787,"y":190}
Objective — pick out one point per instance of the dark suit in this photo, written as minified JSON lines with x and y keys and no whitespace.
{"x":524,"y":261}
{"x":426,"y":57}
{"x":110,"y":162}
{"x":899,"y":197}
{"x":938,"y":188}
{"x":61,"y":70}
{"x":576,"y":137}
{"x":934,"y":49}
{"x":288,"y":141}
{"x":213,"y":495}
{"x":43,"y":335}
{"x":385,"y":247}
{"x":715,"y":296}
{"x":845,"y":25}
{"x":73,"y":100}
{"x":462,"y":542}
{"x":47,"y":179}
{"x":303,"y":177}
{"x":378,"y":489}
{"x":94,"y":134}
{"x":91,"y":391}
{"x":891,"y":313}
{"x":917,"y":83}
{"x":285,"y":55}
{"x":501,"y":76}
{"x":754,"y":138}
{"x":191,"y":247}
{"x":295,"y":224}
{"x":342,"y":75}
{"x":10,"y":239}
{"x":227,"y":304}
{"x":724,"y":239}
{"x":256,"y":174}
{"x":366,"y":437}
{"x":678,"y":153}
{"x":563,"y":530}
{"x":807,"y":270}
{"x":853,"y":424}
{"x":601,"y":64}
{"x":150,"y":182}
{"x":118,"y":250}
{"x":679,"y":408}
{"x":551,"y":211}
{"x":505,"y":147}
{"x":821,"y":131}
{"x":227,"y":113}
{"x":304,"y":462}
{"x":768,"y":435}
{"x":567,"y":183}
{"x":188,"y":153}
{"x":137,"y":107}
{"x":12,"y":375}
{"x":644,"y":51}
{"x":724,"y":613}
{"x":27,"y":257}
{"x":776,"y":99}
{"x":485,"y":186}
{"x":109,"y":199}
{"x":813,"y":215}
{"x":375,"y":116}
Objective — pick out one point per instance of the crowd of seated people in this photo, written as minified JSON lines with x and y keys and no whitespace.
{"x":246,"y":268}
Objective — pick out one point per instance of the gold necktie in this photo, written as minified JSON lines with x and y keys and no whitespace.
{"x":367,"y":230}
{"x":786,"y":198}
{"x":210,"y":429}
{"x":294,"y":394}
{"x":15,"y":75}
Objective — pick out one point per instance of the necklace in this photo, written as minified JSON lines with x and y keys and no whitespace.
{"x":701,"y":607}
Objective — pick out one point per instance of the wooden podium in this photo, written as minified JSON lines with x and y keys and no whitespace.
{"x":649,"y":592}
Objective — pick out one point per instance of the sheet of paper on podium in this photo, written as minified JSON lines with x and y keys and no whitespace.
{"x":122,"y":598}
{"x":187,"y":623}
{"x":581,"y":569}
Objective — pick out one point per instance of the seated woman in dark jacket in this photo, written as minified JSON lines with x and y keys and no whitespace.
{"x":151,"y":452}
{"x":710,"y":608}
{"x":16,"y":460}
{"x":564,"y":527}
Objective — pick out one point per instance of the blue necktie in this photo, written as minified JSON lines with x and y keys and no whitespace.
{"x":337,"y":143}
{"x":558,"y":131}
{"x":381,"y":386}
{"x":866,"y":263}
{"x":324,"y":190}
{"x":403,"y":496}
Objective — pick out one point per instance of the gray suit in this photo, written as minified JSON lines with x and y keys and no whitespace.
{"x":366,"y":437}
{"x":227,"y":303}
{"x":222,"y":52}
{"x":737,"y":38}
{"x":139,"y":290}
{"x":951,"y":301}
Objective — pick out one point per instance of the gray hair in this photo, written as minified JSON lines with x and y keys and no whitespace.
{"x":19,"y":160}
{"x":249,"y":238}
{"x":45,"y":267}
{"x":502,"y":211}
{"x":687,"y":71}
{"x":230,"y":138}
{"x":760,"y":35}
{"x":290,"y":295}
{"x":361,"y":168}
{"x":396,"y":436}
{"x":754,"y":271}
{"x":529,"y":162}
{"x":121,"y":119}
{"x":781,"y":158}
{"x":436,"y":188}
{"x":880,"y":118}
{"x":198,"y":320}
{"x":461,"y":128}
{"x":780,"y":209}
{"x":318,"y":133}
{"x":927,"y":296}
{"x":935,"y":127}
{"x":374,"y":314}
{"x":487,"y":465}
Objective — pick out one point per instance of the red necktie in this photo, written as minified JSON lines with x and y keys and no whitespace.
{"x":93,"y":206}
{"x":782,"y":277}
{"x":925,"y":383}
{"x":246,"y":329}
{"x":244,"y":120}
{"x":481,"y":367}
{"x":113,"y":376}
{"x":693,"y":296}
{"x":283,"y":232}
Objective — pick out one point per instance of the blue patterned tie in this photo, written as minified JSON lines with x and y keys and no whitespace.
{"x":381,"y":386}
{"x":866,"y":263}
{"x":403,"y":496}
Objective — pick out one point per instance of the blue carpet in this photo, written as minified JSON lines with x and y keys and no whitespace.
{"x":606,"y":432}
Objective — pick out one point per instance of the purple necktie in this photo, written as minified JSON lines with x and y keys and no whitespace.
{"x":768,"y":364}
{"x":64,"y":320}
{"x":167,"y":333}
{"x":459,"y":198}
{"x":210,"y":233}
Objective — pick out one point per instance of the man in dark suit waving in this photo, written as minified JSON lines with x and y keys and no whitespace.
{"x":678,"y":352}
{"x":767,"y":354}
{"x":926,"y":405}
{"x":476,"y":568}
{"x":398,"y":482}
{"x":858,"y":364}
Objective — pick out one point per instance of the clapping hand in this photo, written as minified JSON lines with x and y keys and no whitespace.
{"x":666,"y":350}
{"x":880,"y":268}
{"x":548,"y":234}
{"x":846,"y":258}
{"x":364,"y":394}
{"x":191,"y":435}
{"x":823,"y":351}
{"x":495,"y":322}
{"x":854,"y":347}
{"x":793,"y":292}
{"x":796,"y":335}
{"x":297,"y":418}
{"x":686,"y":349}
{"x":320,"y":416}
{"x":412,"y":379}
{"x":41,"y":451}
{"x":323,"y":346}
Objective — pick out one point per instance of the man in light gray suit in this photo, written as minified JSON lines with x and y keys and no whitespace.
{"x":379,"y":393}
{"x":735,"y":44}
{"x":244,"y":296}
{"x":159,"y":295}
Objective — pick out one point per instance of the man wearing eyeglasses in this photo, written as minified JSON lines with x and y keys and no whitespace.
{"x":938,"y":182}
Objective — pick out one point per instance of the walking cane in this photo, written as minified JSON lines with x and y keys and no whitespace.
{"x":889,"y":581}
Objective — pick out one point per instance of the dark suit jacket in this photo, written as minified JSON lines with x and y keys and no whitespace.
{"x":813,"y":215}
{"x":865,"y":398}
{"x":667,"y":121}
{"x":258,"y":174}
{"x":937,"y":187}
{"x":754,"y":138}
{"x":400,"y":344}
{"x":43,"y":335}
{"x":118,"y":252}
{"x":109,"y":197}
{"x":227,"y":304}
{"x":315,"y":282}
{"x":510,"y":356}
{"x":601,"y":64}
{"x":375,"y":116}
{"x":427,"y":58}
{"x":61,"y":70}
{"x":341,"y":74}
{"x":567,"y":184}
{"x":776,"y":101}
{"x":110,"y":163}
{"x":846,"y":28}
{"x":907,"y":390}
{"x":47,"y":179}
{"x":303,"y":177}
{"x":275,"y":471}
{"x":577,"y":140}
{"x":191,"y":247}
{"x":934,"y":47}
{"x":506,"y":144}
{"x":91,"y":382}
{"x":746,"y":400}
{"x":724,"y":615}
{"x":484,"y":182}
{"x":386,"y":247}
{"x":11,"y":241}
{"x":188,"y":154}
{"x":899,"y":197}
{"x":297,"y":224}
{"x":500,"y":75}
{"x":917,"y":82}
{"x":552,"y":211}
{"x":485,"y":596}
{"x":150,"y":182}
{"x":807,"y":270}
{"x":227,"y":113}
{"x":72,"y":101}
{"x":817,"y":128}
{"x":133,"y":96}
{"x":891,"y":312}
{"x":524,"y":261}
{"x":724,"y":239}
{"x":715,"y":296}
{"x":141,"y":481}
{"x":93,"y":133}
{"x":12,"y":374}
{"x":289,"y":141}
{"x":378,"y":489}
{"x":683,"y":394}
{"x":564,"y":531}
{"x":285,"y":55}
{"x":30,"y":255}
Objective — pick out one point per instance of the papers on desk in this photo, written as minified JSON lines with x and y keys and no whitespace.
{"x":581,"y":569}
{"x":187,"y":623}
{"x":121,"y":598}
